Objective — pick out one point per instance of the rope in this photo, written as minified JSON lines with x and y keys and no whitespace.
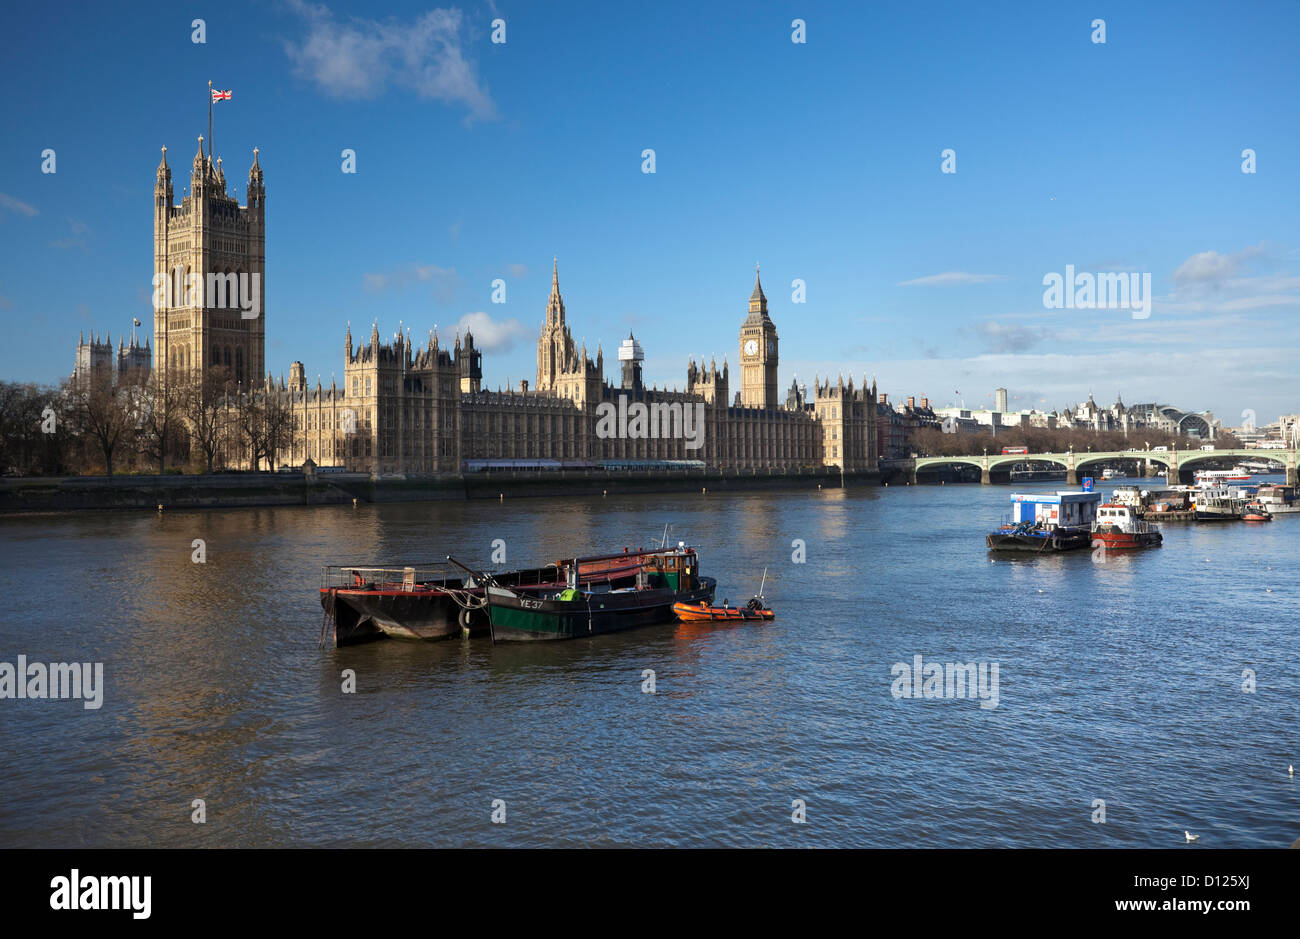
{"x":327,"y":617}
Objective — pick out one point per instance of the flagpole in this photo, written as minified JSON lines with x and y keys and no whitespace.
{"x":209,"y":120}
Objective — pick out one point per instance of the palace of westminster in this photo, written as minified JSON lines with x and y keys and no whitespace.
{"x":405,"y":408}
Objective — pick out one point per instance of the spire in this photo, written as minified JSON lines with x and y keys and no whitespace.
{"x":757,"y":299}
{"x":163,"y":168}
{"x":555,"y":303}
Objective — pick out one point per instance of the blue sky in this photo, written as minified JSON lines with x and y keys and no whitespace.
{"x":820,"y":160}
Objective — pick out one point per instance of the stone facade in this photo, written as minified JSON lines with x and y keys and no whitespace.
{"x":421,"y":409}
{"x":404,"y":409}
{"x":97,"y":358}
{"x":198,"y":246}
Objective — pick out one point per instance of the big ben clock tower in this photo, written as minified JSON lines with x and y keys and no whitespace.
{"x":758,"y":353}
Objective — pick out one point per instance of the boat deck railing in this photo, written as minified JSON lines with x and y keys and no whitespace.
{"x":409,"y":575}
{"x":436,"y":574}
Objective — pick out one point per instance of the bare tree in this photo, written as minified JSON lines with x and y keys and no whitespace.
{"x":203,"y":402}
{"x":161,"y":415}
{"x":104,"y":412}
{"x":267,"y":427}
{"x":278,"y":427}
{"x":34,"y":435}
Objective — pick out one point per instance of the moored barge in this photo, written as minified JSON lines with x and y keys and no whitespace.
{"x":441,"y":600}
{"x":1059,"y":521}
{"x":578,"y":608}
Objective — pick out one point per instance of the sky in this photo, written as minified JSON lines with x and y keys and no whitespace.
{"x":822,"y":160}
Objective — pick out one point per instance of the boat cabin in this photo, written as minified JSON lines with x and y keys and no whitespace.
{"x":1055,"y":509}
{"x":1273,"y":494}
{"x":1116,"y":514}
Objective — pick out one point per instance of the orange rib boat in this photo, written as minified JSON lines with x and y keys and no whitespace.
{"x":703,"y":613}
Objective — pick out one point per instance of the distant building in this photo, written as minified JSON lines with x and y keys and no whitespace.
{"x":1086,"y":416}
{"x":98,"y":357}
{"x":407,"y":408}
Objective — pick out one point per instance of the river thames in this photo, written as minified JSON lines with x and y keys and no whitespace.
{"x":1126,"y":681}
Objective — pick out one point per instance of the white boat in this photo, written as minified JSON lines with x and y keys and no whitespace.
{"x":1213,"y":478}
{"x":1279,"y":500}
{"x":1108,"y":473}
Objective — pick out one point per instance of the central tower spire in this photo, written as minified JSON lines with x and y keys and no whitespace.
{"x":757,"y":299}
{"x":555,"y":304}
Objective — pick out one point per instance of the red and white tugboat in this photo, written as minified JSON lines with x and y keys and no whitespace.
{"x":1256,"y":512}
{"x":1117,"y":526}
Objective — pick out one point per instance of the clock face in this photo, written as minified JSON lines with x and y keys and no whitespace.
{"x":771,"y":347}
{"x":751,"y":347}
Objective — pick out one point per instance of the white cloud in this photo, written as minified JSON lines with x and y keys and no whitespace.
{"x":492,"y":335}
{"x":1009,"y":337}
{"x":444,"y":280}
{"x":360,"y":58}
{"x":1211,"y":267}
{"x":951,"y":279}
{"x":17,"y":205}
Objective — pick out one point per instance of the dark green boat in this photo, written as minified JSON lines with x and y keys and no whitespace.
{"x":640,"y":595}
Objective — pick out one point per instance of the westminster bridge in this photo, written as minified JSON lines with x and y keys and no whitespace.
{"x":1074,"y":463}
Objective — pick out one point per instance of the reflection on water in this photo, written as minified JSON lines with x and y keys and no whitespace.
{"x":1119,"y":681}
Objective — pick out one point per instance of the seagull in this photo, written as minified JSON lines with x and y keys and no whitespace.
{"x":1191,"y":837}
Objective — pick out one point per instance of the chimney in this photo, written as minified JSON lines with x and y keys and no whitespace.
{"x":884,"y":398}
{"x":911,"y":401}
{"x":925,"y":402}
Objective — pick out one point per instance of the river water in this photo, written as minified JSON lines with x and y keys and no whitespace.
{"x":1119,"y":681}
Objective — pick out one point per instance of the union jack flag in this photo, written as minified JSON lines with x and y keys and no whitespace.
{"x":220,"y":95}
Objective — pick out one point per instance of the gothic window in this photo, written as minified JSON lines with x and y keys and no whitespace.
{"x":216,"y":356}
{"x":239,"y":364}
{"x":227,"y":356}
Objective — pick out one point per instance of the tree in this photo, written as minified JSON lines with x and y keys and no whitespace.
{"x":267,"y":427}
{"x":34,"y":434}
{"x":203,"y":402}
{"x":104,"y":412}
{"x":161,"y":414}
